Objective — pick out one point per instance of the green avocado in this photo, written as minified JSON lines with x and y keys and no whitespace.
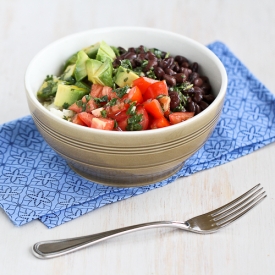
{"x":71,"y":60}
{"x":91,"y":51}
{"x":80,"y":65}
{"x":68,"y":74}
{"x":105,"y":52}
{"x":104,"y":74}
{"x":92,"y":66}
{"x":124,"y":77}
{"x":100,"y":72}
{"x":48,"y":88}
{"x":68,"y":94}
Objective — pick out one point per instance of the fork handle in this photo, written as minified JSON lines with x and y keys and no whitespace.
{"x":54,"y":248}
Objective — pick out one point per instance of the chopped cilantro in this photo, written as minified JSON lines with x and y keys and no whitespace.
{"x":112,"y":102}
{"x":103,"y":113}
{"x":133,"y":123}
{"x":132,"y":109}
{"x":65,"y":105}
{"x":121,"y":91}
{"x":102,"y":99}
{"x":156,"y":52}
{"x":126,"y":63}
{"x":49,"y":78}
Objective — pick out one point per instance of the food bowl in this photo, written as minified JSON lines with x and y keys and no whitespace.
{"x":131,"y":158}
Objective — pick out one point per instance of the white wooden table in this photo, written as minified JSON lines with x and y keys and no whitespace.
{"x":245,"y":247}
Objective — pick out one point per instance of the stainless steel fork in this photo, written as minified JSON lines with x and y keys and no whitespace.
{"x":203,"y":224}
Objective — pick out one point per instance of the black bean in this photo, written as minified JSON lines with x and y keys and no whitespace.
{"x":175,"y":67}
{"x":116,"y":63}
{"x":150,"y":55}
{"x":203,"y":105}
{"x":198,"y":90}
{"x":204,"y":78}
{"x":180,"y":59}
{"x":141,"y":49}
{"x":195,"y":67}
{"x":175,"y":100}
{"x":206,"y":87}
{"x":180,"y":77}
{"x":193,"y":76}
{"x":150,"y":65}
{"x":185,"y":64}
{"x":169,"y":71}
{"x":190,"y":105}
{"x":197,"y":97}
{"x":198,"y":81}
{"x":170,"y":80}
{"x":121,"y":50}
{"x":163,"y":54}
{"x":208,"y":98}
{"x":186,"y":71}
{"x":159,"y":72}
{"x":130,"y":55}
{"x":162,"y":64}
{"x":170,"y":61}
{"x":197,"y":108}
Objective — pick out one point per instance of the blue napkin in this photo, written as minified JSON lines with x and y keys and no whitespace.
{"x":36,"y":183}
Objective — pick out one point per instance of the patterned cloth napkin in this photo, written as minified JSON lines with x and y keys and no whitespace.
{"x":36,"y":183}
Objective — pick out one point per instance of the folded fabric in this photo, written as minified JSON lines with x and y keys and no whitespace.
{"x":36,"y":183}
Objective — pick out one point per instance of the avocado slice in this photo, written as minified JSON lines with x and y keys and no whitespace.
{"x":92,"y":66}
{"x":68,"y":94}
{"x":68,"y":74}
{"x":100,"y":72}
{"x":80,"y":65}
{"x":124,"y":77}
{"x":71,"y":60}
{"x":104,"y":75}
{"x":48,"y":88}
{"x":83,"y":85}
{"x":105,"y":52}
{"x":91,"y":51}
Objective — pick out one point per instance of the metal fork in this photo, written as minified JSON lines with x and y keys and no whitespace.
{"x":203,"y":224}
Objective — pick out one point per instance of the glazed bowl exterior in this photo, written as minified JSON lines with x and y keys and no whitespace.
{"x":125,"y":158}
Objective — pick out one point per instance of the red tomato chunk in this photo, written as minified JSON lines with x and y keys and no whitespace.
{"x":144,"y":106}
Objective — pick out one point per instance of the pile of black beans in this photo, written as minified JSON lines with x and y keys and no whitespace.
{"x":178,"y":73}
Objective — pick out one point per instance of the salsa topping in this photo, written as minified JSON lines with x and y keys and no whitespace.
{"x":110,"y":88}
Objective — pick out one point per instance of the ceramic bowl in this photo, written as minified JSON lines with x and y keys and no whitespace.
{"x":125,"y":158}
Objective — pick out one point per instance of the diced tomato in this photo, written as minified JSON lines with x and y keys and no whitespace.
{"x":77,"y":108}
{"x":108,"y":91}
{"x":156,"y":89}
{"x":77,"y":120}
{"x":97,"y":112}
{"x":165,"y":104}
{"x":91,"y":105}
{"x":153,"y":107}
{"x":161,"y":122}
{"x":103,"y":123}
{"x":86,"y":118}
{"x":145,"y":118}
{"x":178,"y":117}
{"x":122,"y":125}
{"x":134,"y":95}
{"x":96,"y":90}
{"x":120,"y":106}
{"x":121,"y":116}
{"x":143,"y":83}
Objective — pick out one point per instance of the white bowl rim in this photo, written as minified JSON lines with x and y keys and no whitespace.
{"x":219,"y":98}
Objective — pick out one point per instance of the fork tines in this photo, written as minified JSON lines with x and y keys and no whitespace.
{"x":238,"y":207}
